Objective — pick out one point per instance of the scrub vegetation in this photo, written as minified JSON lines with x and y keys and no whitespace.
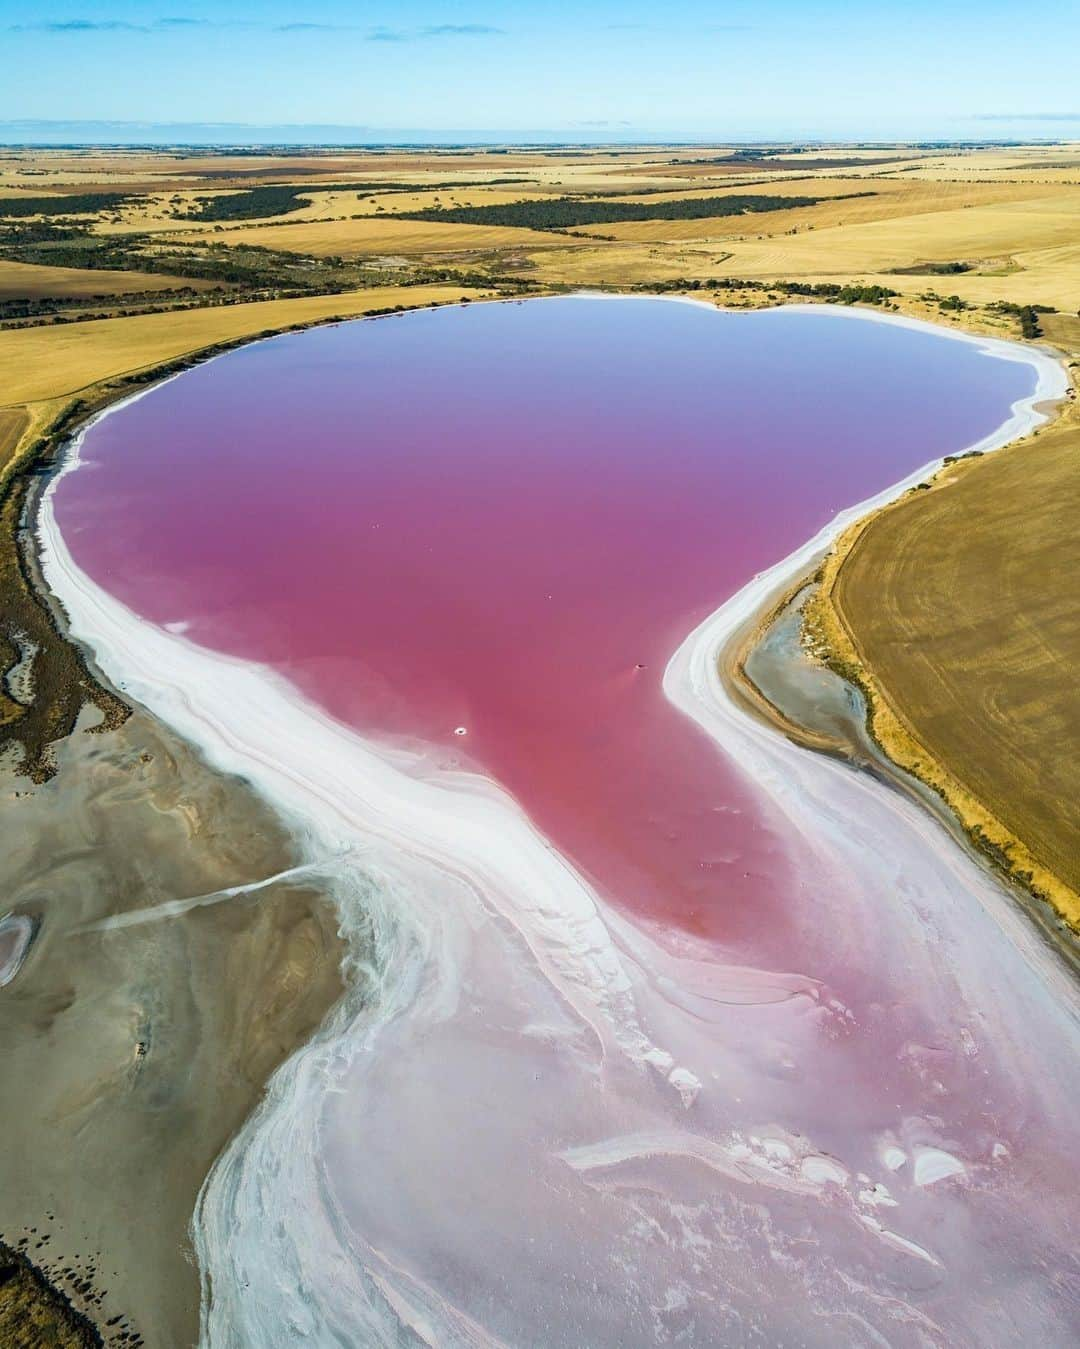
{"x":828,"y":291}
{"x":261,"y":203}
{"x":88,"y":203}
{"x":565,"y":212}
{"x":33,"y":1314}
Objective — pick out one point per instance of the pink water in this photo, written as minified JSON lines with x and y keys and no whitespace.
{"x":506,"y":519}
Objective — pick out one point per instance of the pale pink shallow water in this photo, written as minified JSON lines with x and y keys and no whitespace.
{"x":507,"y":519}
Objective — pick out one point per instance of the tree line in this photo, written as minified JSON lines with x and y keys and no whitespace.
{"x":816,"y":290}
{"x":259,"y":203}
{"x":83,"y":203}
{"x":563,"y":213}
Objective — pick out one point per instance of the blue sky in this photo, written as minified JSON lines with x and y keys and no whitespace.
{"x":593,"y":69}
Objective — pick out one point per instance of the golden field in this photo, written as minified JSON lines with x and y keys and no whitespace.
{"x":1009,"y":214}
{"x":19,"y":279}
{"x":385,"y":236}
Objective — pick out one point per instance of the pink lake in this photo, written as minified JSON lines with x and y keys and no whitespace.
{"x":481,"y":533}
{"x":506,"y":519}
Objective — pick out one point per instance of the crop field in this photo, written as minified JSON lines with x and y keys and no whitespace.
{"x":21,"y":280}
{"x":984,"y":234}
{"x":1009,"y":213}
{"x":378,"y":236}
{"x":843,"y":204}
{"x":12,"y":424}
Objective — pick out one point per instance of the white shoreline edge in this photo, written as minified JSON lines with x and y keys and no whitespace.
{"x":347,"y":796}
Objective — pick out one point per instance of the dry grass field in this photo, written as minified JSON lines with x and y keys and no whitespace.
{"x":12,"y":424}
{"x":382,"y":236}
{"x":22,"y":279}
{"x":1008,"y":214}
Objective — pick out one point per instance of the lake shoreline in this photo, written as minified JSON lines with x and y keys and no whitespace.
{"x":864,"y":753}
{"x":225,"y":750}
{"x":754,"y":609}
{"x":1050,"y":901}
{"x":1043,"y":410}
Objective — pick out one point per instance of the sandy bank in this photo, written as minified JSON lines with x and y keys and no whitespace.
{"x":142,"y":1037}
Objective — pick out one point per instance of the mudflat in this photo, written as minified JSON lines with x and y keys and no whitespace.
{"x":142,"y":1036}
